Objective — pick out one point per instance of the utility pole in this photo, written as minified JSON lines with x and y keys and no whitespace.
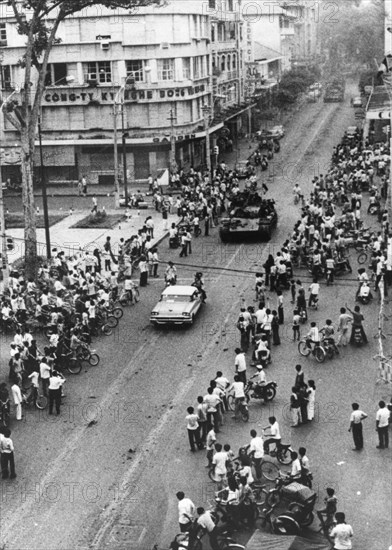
{"x":115,"y":139}
{"x":4,"y":259}
{"x":173,"y":164}
{"x":44,"y":193}
{"x":124,"y":154}
{"x":206,"y":114}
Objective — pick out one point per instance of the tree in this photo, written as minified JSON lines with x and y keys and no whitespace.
{"x":38,"y":21}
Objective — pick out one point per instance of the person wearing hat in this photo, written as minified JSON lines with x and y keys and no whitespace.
{"x":55,"y":383}
{"x":171,"y":274}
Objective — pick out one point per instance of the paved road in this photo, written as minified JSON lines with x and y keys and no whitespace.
{"x":79,"y":487}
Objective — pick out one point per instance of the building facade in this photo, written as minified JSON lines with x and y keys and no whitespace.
{"x":166,"y":58}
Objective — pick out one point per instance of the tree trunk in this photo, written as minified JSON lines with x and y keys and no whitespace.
{"x":30,"y":231}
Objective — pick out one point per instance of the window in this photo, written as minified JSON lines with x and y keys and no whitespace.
{"x":135,"y":66}
{"x":223,"y":63}
{"x":165,"y":69}
{"x":230,"y":5}
{"x":5,"y":75}
{"x":100,"y":71}
{"x":213,"y":32}
{"x":56,"y":74}
{"x":186,"y":68}
{"x":229,"y":62}
{"x":3,"y":34}
{"x":196,"y":67}
{"x":234,"y":61}
{"x":212,"y":4}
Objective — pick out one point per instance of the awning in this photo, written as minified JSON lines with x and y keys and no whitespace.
{"x":55,"y":156}
{"x":266,"y":541}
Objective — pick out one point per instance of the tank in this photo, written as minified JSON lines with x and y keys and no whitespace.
{"x":250,"y":218}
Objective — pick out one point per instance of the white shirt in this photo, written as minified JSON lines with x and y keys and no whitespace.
{"x":238,"y":388}
{"x":34,"y":377}
{"x":357,"y":416}
{"x":296,"y":467}
{"x":383,"y":417}
{"x":274,"y":431}
{"x":186,"y":510}
{"x":205,"y":521}
{"x":55,"y":382}
{"x":16,"y":394}
{"x":342,"y":534}
{"x":256,"y":445}
{"x":240,"y":362}
{"x":219,"y":461}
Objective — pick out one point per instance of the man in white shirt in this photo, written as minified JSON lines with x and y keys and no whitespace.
{"x":341,"y":533}
{"x":55,"y":383}
{"x":239,"y":394}
{"x":314,"y":290}
{"x":17,"y":397}
{"x":206,"y":522}
{"x":186,"y":512}
{"x":220,"y":470}
{"x":240,"y":364}
{"x":256,"y":449}
{"x":274,"y":433}
{"x":382,"y":425}
{"x":356,"y":426}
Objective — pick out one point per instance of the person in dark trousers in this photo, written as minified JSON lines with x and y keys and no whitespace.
{"x":275,"y":328}
{"x":55,"y":384}
{"x":7,"y":455}
{"x":356,"y":426}
{"x":382,"y":425}
{"x":192,"y":424}
{"x":206,"y":225}
{"x":207,"y":523}
{"x":299,"y":377}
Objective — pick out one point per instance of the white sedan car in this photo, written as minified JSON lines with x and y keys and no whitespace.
{"x":178,"y":306}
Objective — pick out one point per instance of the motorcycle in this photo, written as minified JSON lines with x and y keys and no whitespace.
{"x":283,"y":524}
{"x":256,"y":391}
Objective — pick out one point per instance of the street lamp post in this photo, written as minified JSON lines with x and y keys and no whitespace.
{"x":206,"y":113}
{"x":124,"y":154}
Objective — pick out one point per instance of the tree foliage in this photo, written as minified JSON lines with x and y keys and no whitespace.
{"x":38,"y":21}
{"x":354,"y":33}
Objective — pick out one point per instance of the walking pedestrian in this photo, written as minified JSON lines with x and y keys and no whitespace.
{"x":356,"y":426}
{"x":342,"y":533}
{"x":299,"y":377}
{"x":240,"y":365}
{"x":219,"y":462}
{"x":382,"y":425}
{"x":212,"y":401}
{"x":80,"y":188}
{"x":84,"y":186}
{"x":201,"y":412}
{"x":311,"y":399}
{"x":295,"y":408}
{"x":55,"y":383}
{"x":239,"y":394}
{"x":184,"y":245}
{"x":296,"y":325}
{"x":18,"y":399}
{"x":302,"y":393}
{"x":44,"y":371}
{"x":186,"y":512}
{"x":7,"y":459}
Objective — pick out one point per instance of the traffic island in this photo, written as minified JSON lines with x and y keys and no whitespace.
{"x":99,"y":220}
{"x":15,"y":221}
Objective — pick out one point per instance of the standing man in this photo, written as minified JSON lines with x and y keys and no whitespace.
{"x":55,"y":383}
{"x":7,"y":454}
{"x":17,"y":397}
{"x":356,"y":426}
{"x":240,"y":364}
{"x":295,"y":408}
{"x":186,"y":512}
{"x":382,"y":425}
{"x":84,"y":186}
{"x":192,"y":424}
{"x":256,"y":449}
{"x":342,"y":533}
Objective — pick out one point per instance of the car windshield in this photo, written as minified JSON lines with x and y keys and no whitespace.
{"x":173,"y":298}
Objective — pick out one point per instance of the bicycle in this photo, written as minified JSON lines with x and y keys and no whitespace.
{"x":364,"y":251}
{"x":84,"y":353}
{"x":318,"y":351}
{"x":243,"y":407}
{"x":32,"y":396}
{"x":326,"y":525}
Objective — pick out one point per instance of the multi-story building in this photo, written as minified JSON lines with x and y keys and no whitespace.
{"x":165,"y":57}
{"x":304,"y":46}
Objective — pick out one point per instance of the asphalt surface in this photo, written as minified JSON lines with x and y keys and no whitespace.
{"x":78,"y":486}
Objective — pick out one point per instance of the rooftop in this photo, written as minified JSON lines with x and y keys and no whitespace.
{"x":380,"y":100}
{"x":263,"y":53}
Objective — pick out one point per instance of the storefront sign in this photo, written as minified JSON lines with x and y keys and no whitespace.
{"x":102,"y":96}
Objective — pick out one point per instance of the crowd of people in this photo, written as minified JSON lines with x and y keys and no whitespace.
{"x":331,"y":220}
